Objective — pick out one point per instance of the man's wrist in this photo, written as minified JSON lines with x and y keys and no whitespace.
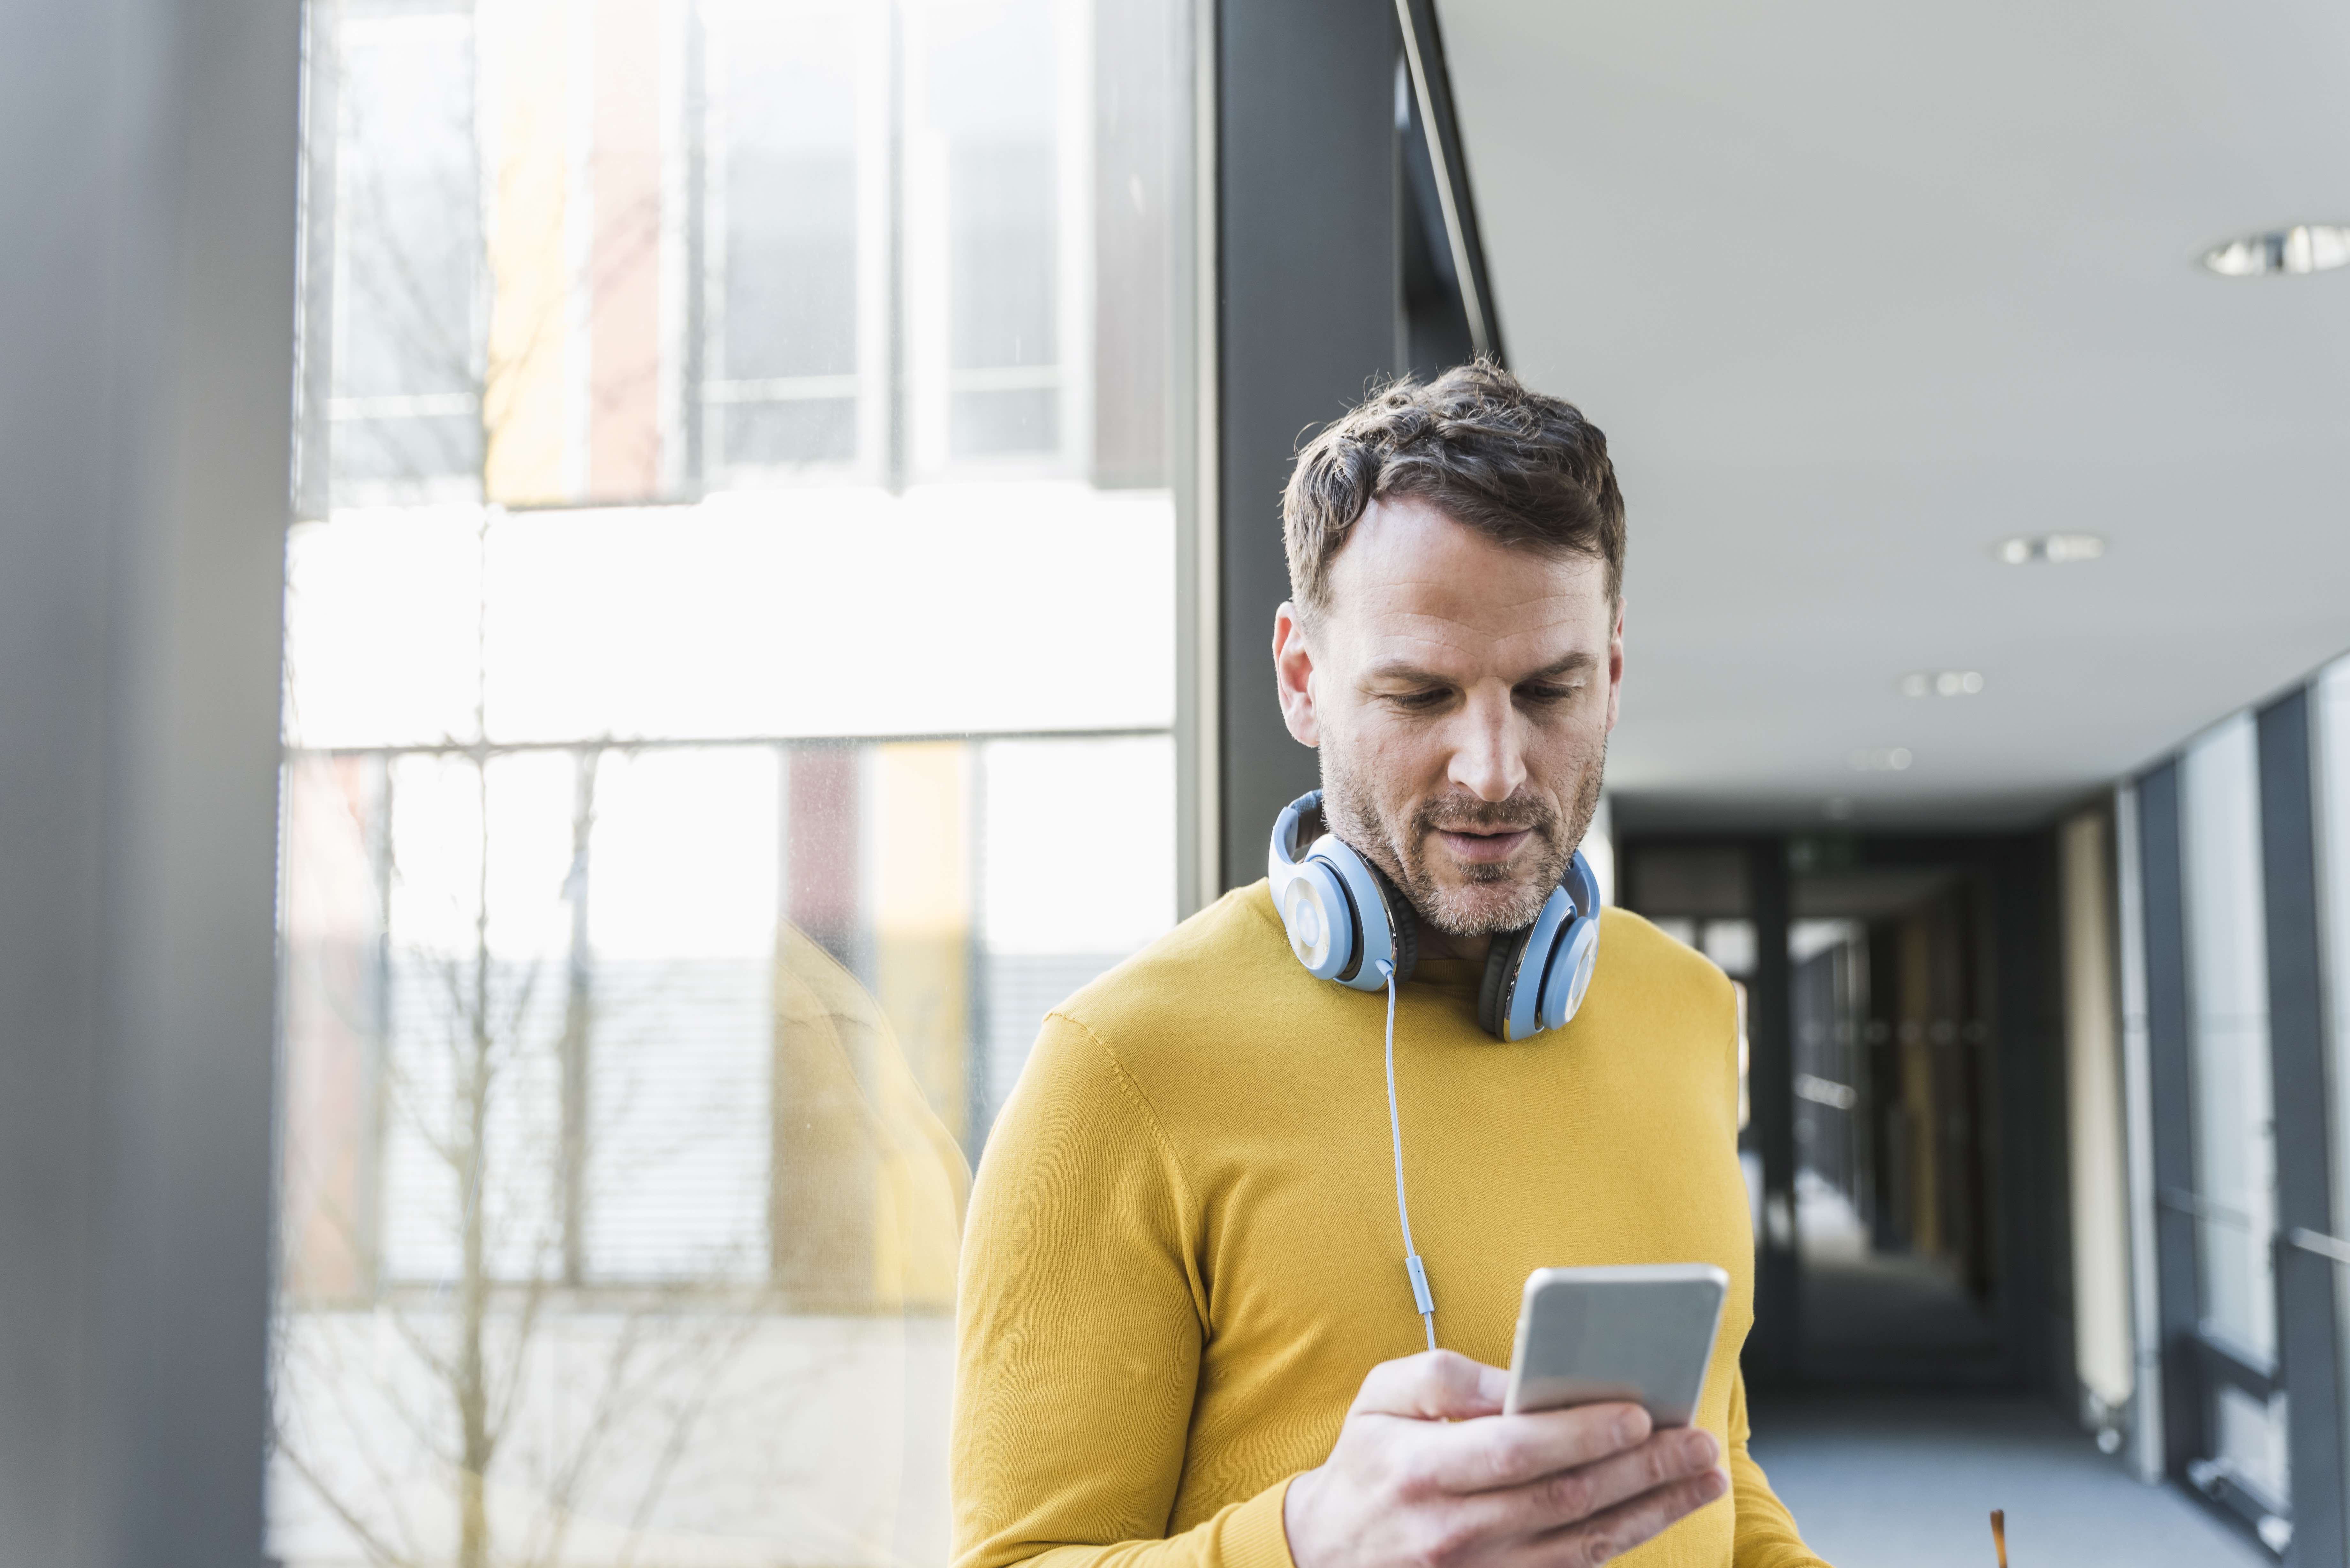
{"x":1295,"y":1499}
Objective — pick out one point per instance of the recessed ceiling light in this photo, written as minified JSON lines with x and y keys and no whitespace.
{"x":1881,"y":759}
{"x":1941,"y":684}
{"x":2050,"y":549}
{"x":2303,"y":248}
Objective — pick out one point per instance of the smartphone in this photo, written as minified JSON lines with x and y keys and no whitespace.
{"x":1639,"y":1333}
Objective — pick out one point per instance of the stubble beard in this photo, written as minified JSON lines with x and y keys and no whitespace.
{"x":1492,"y":898}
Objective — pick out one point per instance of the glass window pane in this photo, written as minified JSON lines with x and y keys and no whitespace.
{"x":684,"y":741}
{"x":786,"y":271}
{"x":681,"y":876}
{"x":2227,"y":963}
{"x":1053,"y":919}
{"x":478,"y":943}
{"x":996,"y":214}
{"x":405,"y":412}
{"x":2235,"y":1147}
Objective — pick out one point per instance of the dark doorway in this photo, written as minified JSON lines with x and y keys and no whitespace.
{"x":1901,"y":1091}
{"x":1895,"y":1147}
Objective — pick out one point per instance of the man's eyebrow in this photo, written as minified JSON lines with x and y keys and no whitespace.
{"x":1573,"y":664}
{"x":1405,"y":670}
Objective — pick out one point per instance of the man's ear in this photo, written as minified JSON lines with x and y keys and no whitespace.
{"x":1292,"y":676}
{"x":1615,"y":666}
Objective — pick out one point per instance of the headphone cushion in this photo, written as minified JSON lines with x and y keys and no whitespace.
{"x":1494,"y":992}
{"x":1403,"y":922}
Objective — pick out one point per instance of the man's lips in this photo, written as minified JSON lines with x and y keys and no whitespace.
{"x":1483,"y":848}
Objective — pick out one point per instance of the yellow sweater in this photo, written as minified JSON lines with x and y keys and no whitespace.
{"x":1183,"y":1252}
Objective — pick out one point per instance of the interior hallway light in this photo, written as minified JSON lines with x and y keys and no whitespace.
{"x":1881,"y":759}
{"x":1941,"y":684}
{"x":2049,"y":549}
{"x":2303,"y":248}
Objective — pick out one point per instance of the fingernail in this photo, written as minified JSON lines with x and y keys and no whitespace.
{"x":1628,"y":1428}
{"x":1713,"y":1483}
{"x":1702,"y":1448}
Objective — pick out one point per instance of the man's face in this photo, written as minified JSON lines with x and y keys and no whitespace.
{"x":1461,"y":692}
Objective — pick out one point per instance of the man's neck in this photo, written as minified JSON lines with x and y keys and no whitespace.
{"x":1436,"y":944}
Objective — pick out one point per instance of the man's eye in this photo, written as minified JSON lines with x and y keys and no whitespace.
{"x":1547,"y":692}
{"x":1418,"y":701}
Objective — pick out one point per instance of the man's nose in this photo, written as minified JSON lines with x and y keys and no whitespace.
{"x":1487,"y":758}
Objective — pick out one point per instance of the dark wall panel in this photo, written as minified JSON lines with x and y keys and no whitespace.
{"x":2170,"y":1073}
{"x":1308,"y":289}
{"x":1773,"y":1350}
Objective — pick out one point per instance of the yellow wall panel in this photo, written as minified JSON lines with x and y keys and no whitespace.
{"x":528,"y":93}
{"x":923,"y":913}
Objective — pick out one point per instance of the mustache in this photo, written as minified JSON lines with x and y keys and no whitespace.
{"x":1516,"y":814}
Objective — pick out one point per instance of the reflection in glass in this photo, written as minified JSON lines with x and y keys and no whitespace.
{"x":729,"y":695}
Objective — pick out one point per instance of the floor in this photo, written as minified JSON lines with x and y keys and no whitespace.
{"x":1895,"y":1313}
{"x":1910,"y":1480}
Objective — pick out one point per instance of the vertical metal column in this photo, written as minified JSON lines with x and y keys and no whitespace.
{"x":2138,"y":1102}
{"x":2308,"y":1284}
{"x":1776,"y":1348}
{"x":2169,"y":1076}
{"x":2026,"y":1108}
{"x":1306,"y":228}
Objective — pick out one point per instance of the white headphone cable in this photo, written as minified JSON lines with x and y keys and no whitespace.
{"x":1422,"y":1302}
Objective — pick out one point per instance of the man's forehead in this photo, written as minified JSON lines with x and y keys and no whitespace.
{"x":1412,"y":578}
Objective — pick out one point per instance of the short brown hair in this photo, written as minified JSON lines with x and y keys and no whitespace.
{"x":1520,"y":468}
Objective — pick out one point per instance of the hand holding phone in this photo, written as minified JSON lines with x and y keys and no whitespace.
{"x":1428,"y":1470}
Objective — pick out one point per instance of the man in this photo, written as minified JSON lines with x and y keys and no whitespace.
{"x":1185,"y":1336}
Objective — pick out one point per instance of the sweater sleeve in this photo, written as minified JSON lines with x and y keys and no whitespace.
{"x":1766,"y":1535}
{"x":1081,"y":1318}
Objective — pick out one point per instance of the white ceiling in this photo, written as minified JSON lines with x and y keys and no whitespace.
{"x":1858,"y":289}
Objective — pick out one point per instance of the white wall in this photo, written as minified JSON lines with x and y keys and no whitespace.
{"x":2101,"y":1283}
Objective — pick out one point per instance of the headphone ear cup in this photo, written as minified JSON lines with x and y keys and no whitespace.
{"x":1494,"y":992}
{"x":1403,"y":923}
{"x":1319,"y":921}
{"x":1570,"y":972}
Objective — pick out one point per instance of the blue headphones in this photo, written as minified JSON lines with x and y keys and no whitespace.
{"x":1347,"y":922}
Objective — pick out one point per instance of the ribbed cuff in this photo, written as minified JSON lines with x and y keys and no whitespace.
{"x":1253,"y":1535}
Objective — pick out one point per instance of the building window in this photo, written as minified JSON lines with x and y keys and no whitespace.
{"x":711,"y":455}
{"x":2234,"y":1131}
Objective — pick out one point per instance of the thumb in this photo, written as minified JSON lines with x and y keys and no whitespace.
{"x":1434,"y":1386}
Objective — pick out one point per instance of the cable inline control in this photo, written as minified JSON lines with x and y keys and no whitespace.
{"x":1423,"y":1301}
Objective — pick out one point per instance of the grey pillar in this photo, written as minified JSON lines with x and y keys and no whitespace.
{"x":2169,"y":1063}
{"x":1306,"y":187}
{"x":147,"y":189}
{"x":1774,"y":1348}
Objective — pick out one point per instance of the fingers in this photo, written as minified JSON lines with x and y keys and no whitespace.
{"x":1665,"y":1460}
{"x":1512,"y":1450}
{"x":1608,"y":1536}
{"x":1434,"y":1386}
{"x":1568,"y":1496}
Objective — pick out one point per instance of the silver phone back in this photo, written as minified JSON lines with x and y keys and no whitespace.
{"x":1641,"y":1332}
